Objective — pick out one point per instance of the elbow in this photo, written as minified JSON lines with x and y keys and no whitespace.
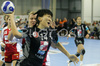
{"x":54,"y":46}
{"x":15,"y":33}
{"x":57,"y":45}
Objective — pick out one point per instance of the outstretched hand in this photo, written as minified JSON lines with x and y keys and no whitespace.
{"x":87,"y":36}
{"x":74,"y":59}
{"x":68,"y":36}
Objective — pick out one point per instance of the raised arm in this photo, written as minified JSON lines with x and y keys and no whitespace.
{"x":14,"y":28}
{"x":10,"y":36}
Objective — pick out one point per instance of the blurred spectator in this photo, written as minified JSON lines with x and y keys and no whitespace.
{"x":26,"y":23}
{"x":28,"y":11}
{"x":94,"y":22}
{"x":96,"y":31}
{"x":61,"y":24}
{"x":65,"y":20}
{"x":87,"y":24}
{"x":57,"y":23}
{"x":99,"y":23}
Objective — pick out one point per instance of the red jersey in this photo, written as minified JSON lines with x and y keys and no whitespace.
{"x":9,"y":47}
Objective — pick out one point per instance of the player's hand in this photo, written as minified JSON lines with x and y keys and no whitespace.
{"x":68,"y":36}
{"x":87,"y":36}
{"x":3,"y":45}
{"x":74,"y":58}
{"x":9,"y":13}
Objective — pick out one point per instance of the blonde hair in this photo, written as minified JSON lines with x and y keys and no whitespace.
{"x":32,"y":12}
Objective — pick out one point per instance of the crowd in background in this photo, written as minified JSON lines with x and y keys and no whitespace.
{"x":67,"y":24}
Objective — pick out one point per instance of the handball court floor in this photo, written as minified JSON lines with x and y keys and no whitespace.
{"x":91,"y":57}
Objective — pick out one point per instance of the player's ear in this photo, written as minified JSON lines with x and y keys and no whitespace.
{"x":40,"y":18}
{"x":35,"y":15}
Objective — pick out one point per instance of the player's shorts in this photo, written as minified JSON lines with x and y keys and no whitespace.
{"x":10,"y":56}
{"x":79,"y":41}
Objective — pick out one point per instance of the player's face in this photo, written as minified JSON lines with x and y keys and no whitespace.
{"x":79,"y":20}
{"x":46,"y":21}
{"x":32,"y":20}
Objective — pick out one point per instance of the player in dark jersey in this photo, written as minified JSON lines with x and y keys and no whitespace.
{"x":38,"y":39}
{"x":79,"y":31}
{"x":31,"y":24}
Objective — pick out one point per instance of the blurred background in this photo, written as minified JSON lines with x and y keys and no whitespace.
{"x":64,"y":15}
{"x":87,"y":9}
{"x":63,"y":11}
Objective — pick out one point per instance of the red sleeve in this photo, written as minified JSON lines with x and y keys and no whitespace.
{"x":23,"y":40}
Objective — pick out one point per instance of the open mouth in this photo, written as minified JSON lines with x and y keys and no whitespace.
{"x":48,"y":23}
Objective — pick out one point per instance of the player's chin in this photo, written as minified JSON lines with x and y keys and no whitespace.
{"x":47,"y":25}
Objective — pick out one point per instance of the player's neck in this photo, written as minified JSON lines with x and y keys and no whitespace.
{"x":5,"y":20}
{"x":41,"y":26}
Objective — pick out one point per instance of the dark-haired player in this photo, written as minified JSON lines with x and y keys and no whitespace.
{"x":79,"y":31}
{"x":38,"y":39}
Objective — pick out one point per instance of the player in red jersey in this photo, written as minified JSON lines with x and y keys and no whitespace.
{"x":2,"y":62}
{"x":11,"y":54}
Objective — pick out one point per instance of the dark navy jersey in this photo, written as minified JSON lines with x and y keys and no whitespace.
{"x":40,"y":41}
{"x":79,"y":30}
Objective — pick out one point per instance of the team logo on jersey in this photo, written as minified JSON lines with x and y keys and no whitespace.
{"x":35,"y":34}
{"x":43,"y":47}
{"x":79,"y":32}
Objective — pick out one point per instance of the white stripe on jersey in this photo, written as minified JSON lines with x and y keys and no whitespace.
{"x":48,"y":60}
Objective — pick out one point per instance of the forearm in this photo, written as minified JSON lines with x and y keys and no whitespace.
{"x":62,"y":49}
{"x":88,"y":31}
{"x":10,"y":36}
{"x":14,"y":28}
